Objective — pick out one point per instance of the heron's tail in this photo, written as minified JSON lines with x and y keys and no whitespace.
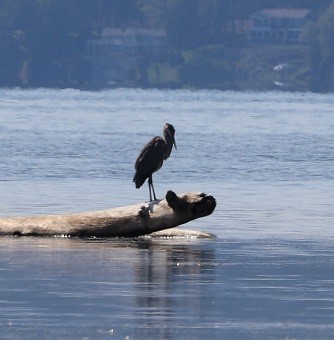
{"x":138,"y":181}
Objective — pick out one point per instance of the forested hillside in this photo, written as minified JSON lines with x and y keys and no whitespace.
{"x":43,"y":42}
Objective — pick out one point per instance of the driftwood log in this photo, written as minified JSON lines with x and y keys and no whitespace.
{"x":128,"y":221}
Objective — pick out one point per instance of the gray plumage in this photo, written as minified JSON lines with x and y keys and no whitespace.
{"x":152,"y":157}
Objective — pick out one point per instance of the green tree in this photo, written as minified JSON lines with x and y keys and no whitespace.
{"x":16,"y":17}
{"x":153,"y":13}
{"x":56,"y":41}
{"x":50,"y":34}
{"x":182,"y":24}
{"x":321,"y":37}
{"x":115,"y":13}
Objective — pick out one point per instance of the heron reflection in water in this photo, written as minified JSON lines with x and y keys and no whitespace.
{"x":151,"y":157}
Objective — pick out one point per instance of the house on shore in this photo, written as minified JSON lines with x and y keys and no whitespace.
{"x":115,"y":55}
{"x":278,"y":26}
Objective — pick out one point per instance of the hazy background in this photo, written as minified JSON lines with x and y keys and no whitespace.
{"x":45,"y":43}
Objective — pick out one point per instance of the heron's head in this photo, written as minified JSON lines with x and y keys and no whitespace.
{"x":169,"y":130}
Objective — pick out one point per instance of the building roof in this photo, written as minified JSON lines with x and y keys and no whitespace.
{"x":283,"y":13}
{"x":109,"y":33}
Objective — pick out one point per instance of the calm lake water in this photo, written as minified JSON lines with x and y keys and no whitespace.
{"x":268,"y":158}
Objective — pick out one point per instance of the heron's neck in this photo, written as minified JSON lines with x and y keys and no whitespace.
{"x":168,"y":145}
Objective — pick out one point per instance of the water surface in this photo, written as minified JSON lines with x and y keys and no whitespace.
{"x":266,"y":157}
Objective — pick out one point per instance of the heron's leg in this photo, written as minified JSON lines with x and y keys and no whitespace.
{"x":149,"y":187}
{"x":155,"y":198}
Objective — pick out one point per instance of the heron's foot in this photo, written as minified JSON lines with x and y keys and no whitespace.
{"x":146,"y":210}
{"x":151,"y":205}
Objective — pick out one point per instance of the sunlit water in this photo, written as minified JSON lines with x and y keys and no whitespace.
{"x":268,"y":158}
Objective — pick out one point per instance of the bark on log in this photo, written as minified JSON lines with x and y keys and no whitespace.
{"x":128,"y":221}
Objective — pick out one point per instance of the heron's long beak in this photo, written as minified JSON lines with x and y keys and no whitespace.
{"x":174,"y":143}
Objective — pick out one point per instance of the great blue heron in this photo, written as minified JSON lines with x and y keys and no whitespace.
{"x":152,"y":156}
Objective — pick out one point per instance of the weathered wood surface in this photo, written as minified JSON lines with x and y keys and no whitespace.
{"x":128,"y":221}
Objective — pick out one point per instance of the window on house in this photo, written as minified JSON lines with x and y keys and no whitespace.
{"x":260,"y":22}
{"x":256,"y":23}
{"x":295,"y":23}
{"x":276,"y":23}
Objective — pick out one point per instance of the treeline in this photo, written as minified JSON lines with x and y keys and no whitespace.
{"x":42,"y":42}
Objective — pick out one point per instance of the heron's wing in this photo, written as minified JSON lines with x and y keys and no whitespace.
{"x":149,"y":160}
